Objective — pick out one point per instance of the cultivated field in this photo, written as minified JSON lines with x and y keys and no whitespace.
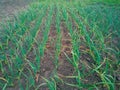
{"x":62,"y":45}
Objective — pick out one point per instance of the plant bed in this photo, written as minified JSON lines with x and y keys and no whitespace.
{"x":67,"y":45}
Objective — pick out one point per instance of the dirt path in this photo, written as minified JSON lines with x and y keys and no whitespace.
{"x":9,"y":7}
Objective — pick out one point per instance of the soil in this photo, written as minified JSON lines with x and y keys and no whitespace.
{"x":10,"y":7}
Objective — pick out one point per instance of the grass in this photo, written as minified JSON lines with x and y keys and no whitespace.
{"x":93,"y":31}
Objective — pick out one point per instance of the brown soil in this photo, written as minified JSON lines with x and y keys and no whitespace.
{"x":65,"y":68}
{"x":47,"y":65}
